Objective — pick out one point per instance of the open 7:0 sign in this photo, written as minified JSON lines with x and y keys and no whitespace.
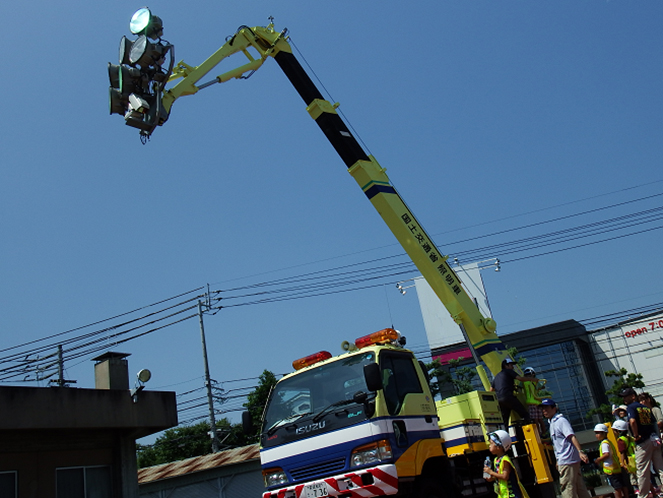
{"x":643,"y":330}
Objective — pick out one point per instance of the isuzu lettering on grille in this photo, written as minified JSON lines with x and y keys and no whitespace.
{"x":310,"y":428}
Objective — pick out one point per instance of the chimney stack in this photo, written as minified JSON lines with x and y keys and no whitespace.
{"x":111,"y":371}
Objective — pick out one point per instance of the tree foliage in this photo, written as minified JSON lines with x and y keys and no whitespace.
{"x":256,"y":402}
{"x":461,"y":378}
{"x":520,"y":360}
{"x":622,"y":379}
{"x":188,"y":441}
{"x":182,"y":442}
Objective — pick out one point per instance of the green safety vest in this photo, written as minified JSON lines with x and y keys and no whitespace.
{"x":511,"y":487}
{"x":530,"y":393}
{"x":630,"y":453}
{"x":615,"y":468}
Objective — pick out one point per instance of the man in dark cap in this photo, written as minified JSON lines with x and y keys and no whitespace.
{"x":647,"y":442}
{"x":503,"y":385}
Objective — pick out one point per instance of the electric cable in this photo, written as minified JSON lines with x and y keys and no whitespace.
{"x":344,"y":278}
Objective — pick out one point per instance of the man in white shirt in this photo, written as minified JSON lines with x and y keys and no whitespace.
{"x":567,"y":452}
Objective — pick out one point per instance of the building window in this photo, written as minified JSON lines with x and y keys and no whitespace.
{"x":561,"y":366}
{"x":8,"y":484}
{"x":84,"y":482}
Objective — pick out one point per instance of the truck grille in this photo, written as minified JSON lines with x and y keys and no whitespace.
{"x":317,"y":470}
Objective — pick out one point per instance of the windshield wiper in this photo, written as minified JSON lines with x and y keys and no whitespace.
{"x":359,"y":397}
{"x":282,"y":422}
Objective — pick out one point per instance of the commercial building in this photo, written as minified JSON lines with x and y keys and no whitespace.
{"x":561,"y":353}
{"x":574,"y":360}
{"x":636,"y":345}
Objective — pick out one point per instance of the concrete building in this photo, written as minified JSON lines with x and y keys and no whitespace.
{"x":233,"y":473}
{"x":63,"y":442}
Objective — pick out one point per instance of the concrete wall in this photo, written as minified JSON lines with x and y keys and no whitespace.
{"x":71,"y":408}
{"x":45,"y":429}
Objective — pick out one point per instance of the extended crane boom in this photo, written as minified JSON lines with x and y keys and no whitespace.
{"x":395,"y":439}
{"x":364,"y":168}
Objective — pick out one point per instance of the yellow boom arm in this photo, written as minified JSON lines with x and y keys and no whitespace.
{"x":259,"y":43}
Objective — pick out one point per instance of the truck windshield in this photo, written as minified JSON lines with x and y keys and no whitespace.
{"x":316,"y":389}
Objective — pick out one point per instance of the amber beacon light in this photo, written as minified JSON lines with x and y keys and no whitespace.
{"x":379,"y":337}
{"x":307,"y":361}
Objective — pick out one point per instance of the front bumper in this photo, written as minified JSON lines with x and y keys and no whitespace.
{"x":363,"y":483}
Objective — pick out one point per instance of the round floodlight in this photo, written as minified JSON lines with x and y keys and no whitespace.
{"x":140,"y":20}
{"x":125,"y":50}
{"x":116,"y":102}
{"x":144,"y":375}
{"x":137,"y":51}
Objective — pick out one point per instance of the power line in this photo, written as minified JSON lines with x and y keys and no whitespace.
{"x":33,"y":356}
{"x":99,"y":321}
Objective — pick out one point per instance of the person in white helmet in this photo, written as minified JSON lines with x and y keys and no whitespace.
{"x":626,"y":449}
{"x":532,"y":399}
{"x":505,"y":477}
{"x":608,"y":460}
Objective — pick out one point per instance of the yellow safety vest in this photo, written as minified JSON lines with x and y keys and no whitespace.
{"x":630,"y":453}
{"x":530,"y":393}
{"x":511,"y":487}
{"x":613,"y":468}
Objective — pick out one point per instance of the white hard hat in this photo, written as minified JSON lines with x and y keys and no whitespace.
{"x":501,"y":438}
{"x":529,"y":371}
{"x":600,"y":428}
{"x":620,"y":425}
{"x":617,"y":408}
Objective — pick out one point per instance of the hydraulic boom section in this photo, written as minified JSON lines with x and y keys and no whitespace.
{"x":259,"y":43}
{"x":265,"y":42}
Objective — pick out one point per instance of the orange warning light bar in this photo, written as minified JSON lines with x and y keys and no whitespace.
{"x":381,"y":336}
{"x":312,"y":359}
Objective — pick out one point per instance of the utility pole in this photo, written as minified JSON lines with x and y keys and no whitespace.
{"x":60,"y":366}
{"x":208,"y":383}
{"x":61,"y":382}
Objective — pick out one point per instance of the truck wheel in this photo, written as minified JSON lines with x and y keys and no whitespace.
{"x":430,"y":488}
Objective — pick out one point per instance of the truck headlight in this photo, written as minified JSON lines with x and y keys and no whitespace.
{"x":368,"y":454}
{"x":274,"y":477}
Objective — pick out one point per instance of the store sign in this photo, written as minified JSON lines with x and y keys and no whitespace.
{"x":647,"y":327}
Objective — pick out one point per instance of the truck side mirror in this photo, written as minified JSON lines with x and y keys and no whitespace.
{"x":247,"y":424}
{"x":373,"y":377}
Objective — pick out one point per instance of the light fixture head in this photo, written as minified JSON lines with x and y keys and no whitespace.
{"x":144,"y":375}
{"x":143,"y":22}
{"x":140,"y":20}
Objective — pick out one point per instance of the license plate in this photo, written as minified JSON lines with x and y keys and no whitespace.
{"x":317,"y":490}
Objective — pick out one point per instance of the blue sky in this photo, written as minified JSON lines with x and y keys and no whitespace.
{"x":487,"y":115}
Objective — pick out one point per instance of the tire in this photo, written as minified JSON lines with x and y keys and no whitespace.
{"x":428,"y":487}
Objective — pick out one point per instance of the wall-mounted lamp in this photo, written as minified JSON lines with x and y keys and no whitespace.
{"x":141,"y":378}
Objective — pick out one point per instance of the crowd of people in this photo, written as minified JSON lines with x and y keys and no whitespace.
{"x":640,"y":440}
{"x":629,"y":465}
